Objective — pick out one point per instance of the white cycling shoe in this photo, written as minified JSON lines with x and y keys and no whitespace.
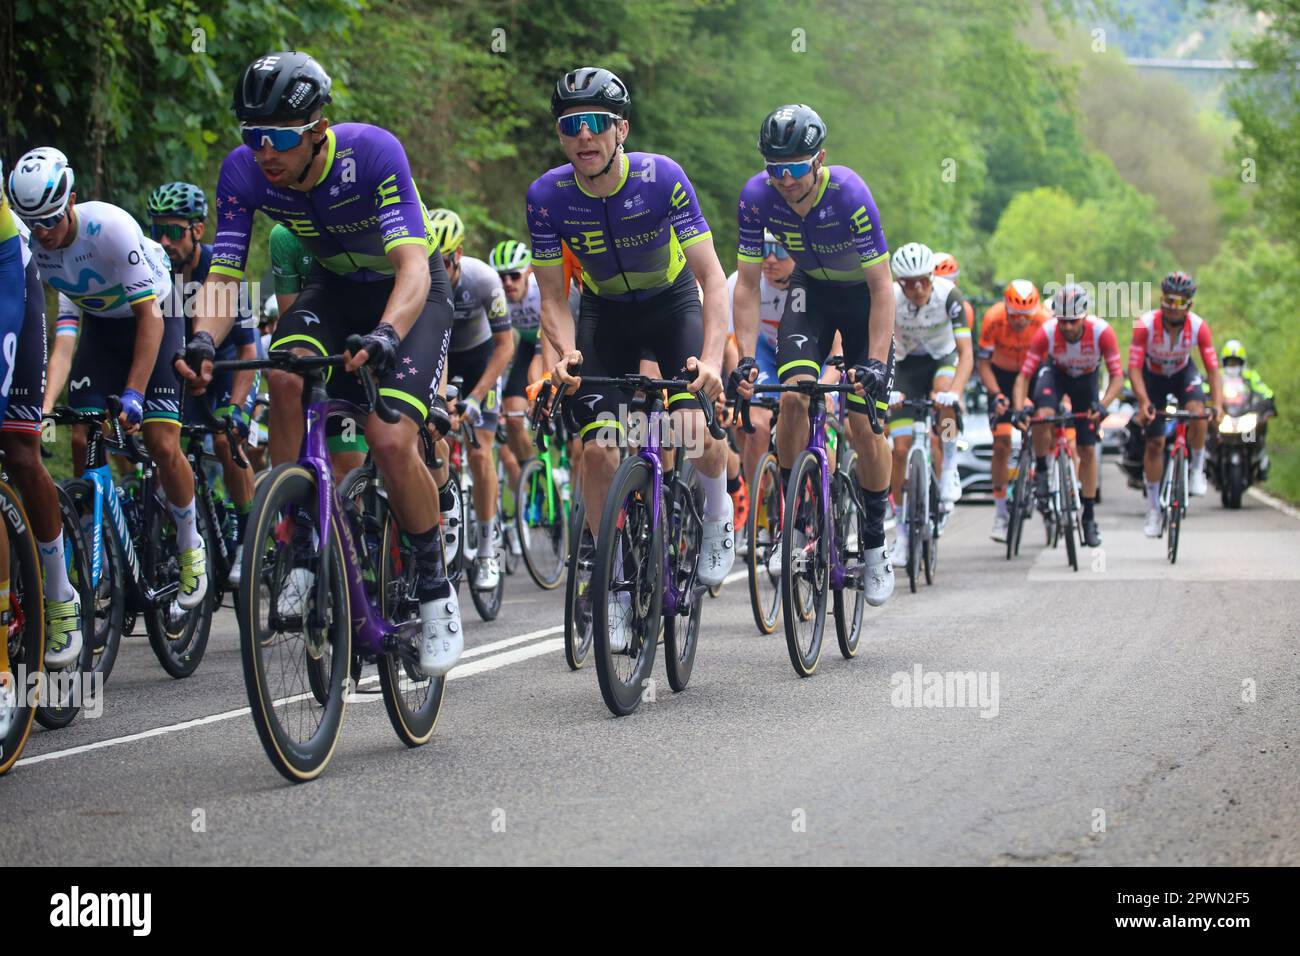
{"x":1152,"y":527}
{"x":717,"y":551}
{"x":878,"y":576}
{"x":1197,"y":486}
{"x":1000,"y":524}
{"x":898,"y":555}
{"x":442,"y":640}
{"x":620,"y":621}
{"x":8,"y":703}
{"x":292,"y":600}
{"x":949,"y":488}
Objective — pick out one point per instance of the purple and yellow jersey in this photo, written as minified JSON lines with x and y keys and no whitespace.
{"x":631,"y":243}
{"x":840,"y":236}
{"x":363,"y":206}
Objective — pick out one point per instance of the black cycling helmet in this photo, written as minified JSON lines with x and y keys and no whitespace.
{"x":1179,"y":284}
{"x":590,"y":86}
{"x":280,"y":86}
{"x":793,"y":130}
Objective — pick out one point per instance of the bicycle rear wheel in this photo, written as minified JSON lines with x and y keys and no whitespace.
{"x":685,"y":510}
{"x":178,"y":637}
{"x":627,"y":587}
{"x":764,"y":530}
{"x":1069,"y":518}
{"x":283,"y":654}
{"x":488,"y":603}
{"x":1177,"y":502}
{"x":577,"y":590}
{"x":849,"y":600}
{"x":25,"y":628}
{"x":413,"y":701}
{"x":1020,"y":505}
{"x":917,"y":475}
{"x":67,"y":689}
{"x":805,"y":564}
{"x":930,"y":544}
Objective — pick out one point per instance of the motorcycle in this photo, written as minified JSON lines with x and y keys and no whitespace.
{"x":1237,"y":458}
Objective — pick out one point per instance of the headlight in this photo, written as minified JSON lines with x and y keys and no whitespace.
{"x":1238,"y":425}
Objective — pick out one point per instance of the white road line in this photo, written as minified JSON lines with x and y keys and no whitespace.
{"x":1274,"y":502}
{"x":467,"y":670}
{"x":735,"y":576}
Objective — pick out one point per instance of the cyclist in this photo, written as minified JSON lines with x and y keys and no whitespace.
{"x":634,"y":223}
{"x":934,"y":360}
{"x":22,"y":381}
{"x":827,"y":220}
{"x":947,"y":267}
{"x":482,"y":343}
{"x":111,"y":280}
{"x":1070,"y":347}
{"x":177,"y":211}
{"x":1160,"y":365}
{"x":1006,"y":331}
{"x":346,"y":192}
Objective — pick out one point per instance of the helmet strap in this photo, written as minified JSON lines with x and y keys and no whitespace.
{"x":315,"y":151}
{"x":618,"y":151}
{"x":817,"y":175}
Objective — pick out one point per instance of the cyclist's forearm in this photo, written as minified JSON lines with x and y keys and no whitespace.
{"x":1020,"y":393}
{"x":59,"y":365}
{"x":1114,"y":386}
{"x":496,"y":364}
{"x":984,"y":367}
{"x":744,"y":304}
{"x":215,"y":306}
{"x":243,"y":382}
{"x":148,"y":338}
{"x":965,"y":361}
{"x":881,"y":284}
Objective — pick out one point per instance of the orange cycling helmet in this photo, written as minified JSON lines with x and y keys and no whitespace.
{"x":945,"y":264}
{"x":1021,"y":297}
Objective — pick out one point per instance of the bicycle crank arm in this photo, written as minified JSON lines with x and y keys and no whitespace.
{"x":163,"y":595}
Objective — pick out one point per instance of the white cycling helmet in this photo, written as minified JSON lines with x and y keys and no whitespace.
{"x":912,"y":261}
{"x":40,"y":183}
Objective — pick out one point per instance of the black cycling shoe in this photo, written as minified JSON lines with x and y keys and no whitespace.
{"x":1040,"y":491}
{"x":1091,"y":536}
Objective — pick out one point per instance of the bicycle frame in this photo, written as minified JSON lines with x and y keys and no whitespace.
{"x":100,"y":475}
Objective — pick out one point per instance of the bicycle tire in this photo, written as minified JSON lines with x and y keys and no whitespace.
{"x":26,"y":631}
{"x":1069,"y":520}
{"x":178,"y":637}
{"x":848,"y":513}
{"x":628,"y":517}
{"x":577,"y":591}
{"x":930,"y":544}
{"x":684,"y":509}
{"x":1177,"y":495}
{"x":291,"y":487}
{"x":768,"y":498}
{"x":808,"y":518}
{"x":552,"y":530}
{"x":917,"y":466}
{"x":1016,"y":507}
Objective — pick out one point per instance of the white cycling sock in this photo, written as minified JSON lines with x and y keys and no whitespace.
{"x":717,"y":503}
{"x":487,"y":531}
{"x":949,"y":456}
{"x":187,"y":528}
{"x":1001,"y":505}
{"x":57,"y":585}
{"x":1153,"y":495}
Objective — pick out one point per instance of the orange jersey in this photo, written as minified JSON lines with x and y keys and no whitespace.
{"x":572,"y":269}
{"x":1004,"y":344}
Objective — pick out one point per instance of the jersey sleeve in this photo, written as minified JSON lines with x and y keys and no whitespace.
{"x":1137,"y":350}
{"x":1205,"y":342}
{"x":684,"y":215}
{"x":1037,"y":352}
{"x":397,"y":203}
{"x":69,"y":320}
{"x":954,"y":306}
{"x":494,"y":301}
{"x":235,"y":205}
{"x":544,"y":238}
{"x":864,"y":220}
{"x":988,"y":334}
{"x":286,"y":252}
{"x":1108,"y":345}
{"x":749,"y":218}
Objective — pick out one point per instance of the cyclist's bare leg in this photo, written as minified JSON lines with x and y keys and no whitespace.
{"x":483,"y":468}
{"x":396,"y":449}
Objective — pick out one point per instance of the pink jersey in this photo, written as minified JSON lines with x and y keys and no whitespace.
{"x":1168,"y":352}
{"x":1074,"y":358}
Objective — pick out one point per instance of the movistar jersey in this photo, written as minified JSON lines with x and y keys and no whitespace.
{"x":290,"y":261}
{"x":108,"y":267}
{"x":840,"y":236}
{"x":362,"y":207}
{"x":631,"y":242}
{"x":480,"y":305}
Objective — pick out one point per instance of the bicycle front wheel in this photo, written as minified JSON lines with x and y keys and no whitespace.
{"x":178,"y":637}
{"x":69,"y":688}
{"x":25,"y":627}
{"x":685,"y":510}
{"x":289,"y":641}
{"x":805,"y":564}
{"x":850,"y":600}
{"x":577,"y":591}
{"x":1019,"y":507}
{"x":764,"y":535}
{"x":627,"y":588}
{"x":1069,"y":517}
{"x":541,"y":523}
{"x":1177,"y":502}
{"x":918,"y":474}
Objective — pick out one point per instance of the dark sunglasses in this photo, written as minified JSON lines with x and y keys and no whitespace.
{"x":1069,"y":320}
{"x":44,"y":222}
{"x":572,"y":124}
{"x":779,"y":171}
{"x":281,"y":138}
{"x":174,"y":232}
{"x":512,"y":276}
{"x":1175,"y":302}
{"x":775,"y":249}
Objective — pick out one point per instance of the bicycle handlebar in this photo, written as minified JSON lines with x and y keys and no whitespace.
{"x":813,"y":389}
{"x":635,"y":382}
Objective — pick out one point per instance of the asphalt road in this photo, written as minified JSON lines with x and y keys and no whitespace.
{"x":1132,"y":713}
